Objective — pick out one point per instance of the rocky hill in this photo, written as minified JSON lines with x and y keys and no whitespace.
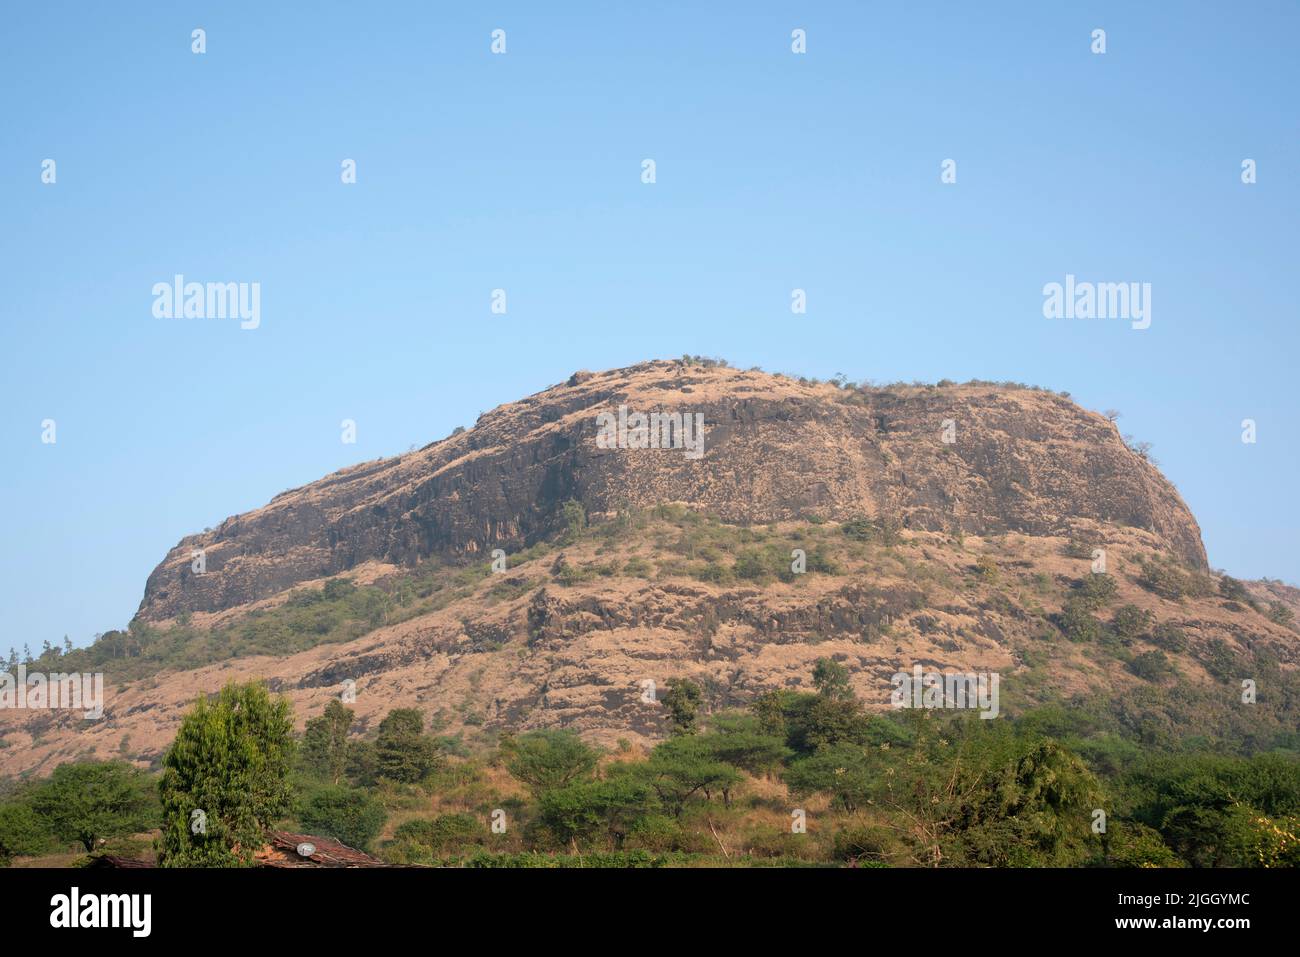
{"x":1018,"y":460}
{"x":952,"y":526}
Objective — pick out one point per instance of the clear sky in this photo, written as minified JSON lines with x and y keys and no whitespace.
{"x":522,"y":171}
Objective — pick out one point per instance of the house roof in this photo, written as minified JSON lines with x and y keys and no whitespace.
{"x":284,"y":849}
{"x":113,"y":862}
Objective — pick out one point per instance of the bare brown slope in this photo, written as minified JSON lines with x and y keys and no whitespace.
{"x":1023,"y":460}
{"x":525,"y":650}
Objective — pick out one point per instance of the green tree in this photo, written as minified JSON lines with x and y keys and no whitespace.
{"x":969,"y":794}
{"x":831,"y":679}
{"x":22,"y":832}
{"x":816,"y":721}
{"x":549,"y":759}
{"x":350,"y":815}
{"x":325,"y":742}
{"x":683,"y":766}
{"x":844,"y":772}
{"x":682,"y":699}
{"x":740,"y":741}
{"x":1211,"y":808}
{"x":362,"y":763}
{"x":88,"y":801}
{"x":575,"y":519}
{"x":402,"y":751}
{"x":609,"y":808}
{"x":229,"y":763}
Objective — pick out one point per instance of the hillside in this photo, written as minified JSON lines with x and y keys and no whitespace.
{"x":626,"y":566}
{"x":776,"y":449}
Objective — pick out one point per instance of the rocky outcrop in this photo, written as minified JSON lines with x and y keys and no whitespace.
{"x":1019,"y":460}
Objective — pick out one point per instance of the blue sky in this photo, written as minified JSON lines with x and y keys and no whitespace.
{"x":477,"y":171}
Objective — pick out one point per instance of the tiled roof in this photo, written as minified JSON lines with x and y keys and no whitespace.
{"x":283,"y":849}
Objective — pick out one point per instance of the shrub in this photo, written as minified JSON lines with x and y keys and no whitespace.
{"x":863,"y":843}
{"x":349,"y":815}
{"x":338,"y":588}
{"x":1169,"y":637}
{"x":1151,"y":666}
{"x":575,"y":519}
{"x":444,"y":832}
{"x":844,"y":772}
{"x":820,"y":560}
{"x":1214,"y":810}
{"x":859,"y":529}
{"x":1095,"y":590}
{"x":1166,"y":578}
{"x":22,"y":832}
{"x":1130,"y":844}
{"x":1233,"y":590}
{"x":1280,"y":614}
{"x":1219,"y":659}
{"x":1131,"y":622}
{"x":598,"y":809}
{"x":752,"y":565}
{"x":637,"y":567}
{"x":1082,"y":547}
{"x":1077,"y":622}
{"x":711,"y":572}
{"x":661,"y":834}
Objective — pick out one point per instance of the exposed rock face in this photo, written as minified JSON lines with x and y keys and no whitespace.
{"x":1021,"y":460}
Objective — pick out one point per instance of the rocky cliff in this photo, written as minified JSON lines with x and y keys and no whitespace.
{"x":981,"y":459}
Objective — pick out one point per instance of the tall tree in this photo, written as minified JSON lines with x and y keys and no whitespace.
{"x":831,"y":679}
{"x":403,"y":752}
{"x":226,"y":778}
{"x":325,"y":742}
{"x":682,"y":699}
